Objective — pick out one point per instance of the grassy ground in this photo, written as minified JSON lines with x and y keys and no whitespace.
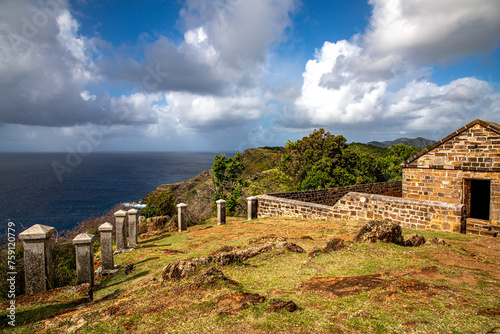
{"x":363,"y":288}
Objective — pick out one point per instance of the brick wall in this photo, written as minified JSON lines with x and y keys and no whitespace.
{"x":414,"y":214}
{"x":330,"y":196}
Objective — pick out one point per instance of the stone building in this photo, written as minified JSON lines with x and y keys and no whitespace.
{"x":462,"y":168}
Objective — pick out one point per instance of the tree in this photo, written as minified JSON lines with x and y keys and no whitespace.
{"x":161,"y":203}
{"x":227,"y":181}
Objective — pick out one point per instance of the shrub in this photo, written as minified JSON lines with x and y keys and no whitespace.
{"x":160,"y":204}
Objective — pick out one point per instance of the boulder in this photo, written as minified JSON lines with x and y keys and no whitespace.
{"x":380,"y":231}
{"x":415,"y":240}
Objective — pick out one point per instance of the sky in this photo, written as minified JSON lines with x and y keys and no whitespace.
{"x":225,"y":75}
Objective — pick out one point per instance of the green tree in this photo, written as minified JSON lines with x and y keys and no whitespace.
{"x":160,"y":203}
{"x":227,"y":181}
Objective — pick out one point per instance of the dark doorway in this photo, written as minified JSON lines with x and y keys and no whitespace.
{"x":480,"y":199}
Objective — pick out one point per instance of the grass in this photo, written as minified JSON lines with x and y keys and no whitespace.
{"x":461,"y":295}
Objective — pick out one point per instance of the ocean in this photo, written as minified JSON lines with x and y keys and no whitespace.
{"x":60,"y":190}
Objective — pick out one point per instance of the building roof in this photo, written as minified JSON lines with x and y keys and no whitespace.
{"x":487,"y":124}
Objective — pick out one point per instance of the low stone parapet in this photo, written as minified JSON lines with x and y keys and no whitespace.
{"x":330,"y":196}
{"x":413,"y":214}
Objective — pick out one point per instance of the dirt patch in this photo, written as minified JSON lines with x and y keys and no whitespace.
{"x":353,"y":285}
{"x":277,"y":305}
{"x":172,"y":251}
{"x":344,"y":286}
{"x":491,"y":312}
{"x":233,"y":302}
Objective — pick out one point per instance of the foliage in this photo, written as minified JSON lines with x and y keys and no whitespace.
{"x":228,"y":183}
{"x":322,"y":160}
{"x":160,"y":203}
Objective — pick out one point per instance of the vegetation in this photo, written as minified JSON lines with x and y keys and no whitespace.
{"x":449,"y":288}
{"x":228,"y":183}
{"x":322,"y":160}
{"x":160,"y":203}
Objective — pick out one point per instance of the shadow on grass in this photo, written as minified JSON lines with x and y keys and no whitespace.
{"x":147,"y":260}
{"x":155,"y":239}
{"x":126,"y":278}
{"x":32,"y":315}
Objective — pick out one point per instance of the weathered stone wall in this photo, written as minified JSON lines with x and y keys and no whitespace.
{"x":271,"y":206}
{"x":475,"y":149}
{"x":414,"y":214}
{"x":330,"y":196}
{"x":447,"y":186}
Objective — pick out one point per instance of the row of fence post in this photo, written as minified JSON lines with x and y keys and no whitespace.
{"x":38,"y":245}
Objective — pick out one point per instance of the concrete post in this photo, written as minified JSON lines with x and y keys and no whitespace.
{"x":121,"y":239}
{"x":38,"y":265}
{"x":84,"y":258}
{"x":221,"y":212}
{"x":181,"y":214}
{"x":132,"y":227}
{"x":106,"y":232}
{"x":252,"y":207}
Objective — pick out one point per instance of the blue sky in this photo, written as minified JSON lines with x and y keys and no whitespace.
{"x":225,"y":75}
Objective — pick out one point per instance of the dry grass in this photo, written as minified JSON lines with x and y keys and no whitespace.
{"x":363,"y":288}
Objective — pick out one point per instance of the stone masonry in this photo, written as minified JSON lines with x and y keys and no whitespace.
{"x":440,"y":172}
{"x":330,"y":196}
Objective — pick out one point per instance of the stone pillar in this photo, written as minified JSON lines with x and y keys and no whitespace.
{"x":121,"y":241}
{"x":84,"y":258}
{"x":221,"y":212}
{"x":132,"y":227}
{"x":252,"y":207}
{"x":181,"y":214}
{"x":38,"y":265}
{"x":106,"y":232}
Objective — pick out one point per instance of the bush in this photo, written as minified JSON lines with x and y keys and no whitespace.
{"x":161,"y":203}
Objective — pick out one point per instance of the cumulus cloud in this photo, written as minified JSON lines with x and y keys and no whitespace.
{"x":433,"y":31}
{"x":46,"y":67}
{"x":382,"y":79}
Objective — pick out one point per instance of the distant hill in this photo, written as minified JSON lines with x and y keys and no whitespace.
{"x":419,"y":142}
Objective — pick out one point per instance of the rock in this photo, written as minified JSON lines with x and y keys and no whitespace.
{"x":242,"y":255}
{"x":129,"y":268}
{"x":415,"y":240}
{"x":362,"y":314}
{"x":380,"y":231}
{"x":291,"y":247}
{"x":332,"y":245}
{"x":183,"y":268}
{"x":276,"y":305}
{"x":435,"y":241}
{"x":211,"y":277}
{"x":188,"y":267}
{"x":238,"y":301}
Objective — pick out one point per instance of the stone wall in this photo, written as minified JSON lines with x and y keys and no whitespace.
{"x":447,"y":186}
{"x":330,"y":196}
{"x":414,"y":214}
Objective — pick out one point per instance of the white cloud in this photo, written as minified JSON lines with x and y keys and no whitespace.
{"x":433,"y":31}
{"x":377,"y":81}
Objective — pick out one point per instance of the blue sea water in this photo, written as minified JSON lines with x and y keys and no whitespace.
{"x":57,"y":190}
